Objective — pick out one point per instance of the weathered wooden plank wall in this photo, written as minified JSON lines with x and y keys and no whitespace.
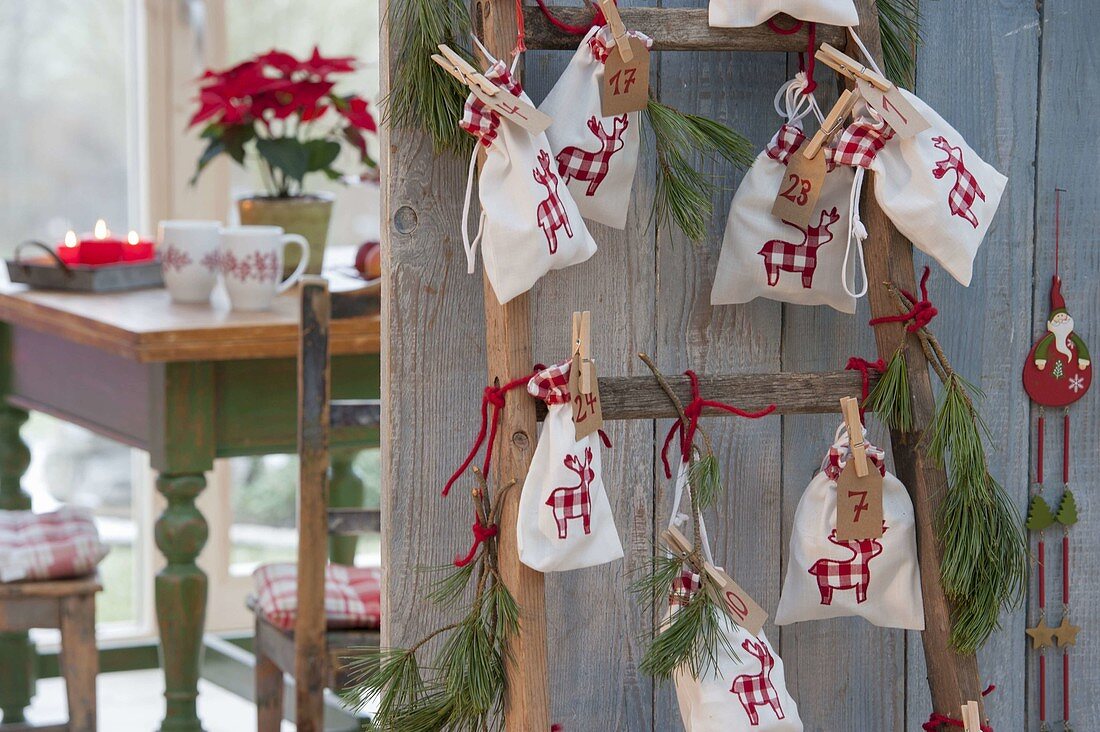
{"x":983,"y":66}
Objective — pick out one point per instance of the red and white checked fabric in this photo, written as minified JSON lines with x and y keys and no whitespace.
{"x":45,"y":546}
{"x":550,"y":213}
{"x":788,"y":140}
{"x":841,"y":452}
{"x":966,"y":189}
{"x":601,"y":48}
{"x":593,"y":165}
{"x":551,"y":385}
{"x":574,"y":501}
{"x":478,"y":119}
{"x":860,"y":142}
{"x":756,"y":690}
{"x":353,"y":595}
{"x":684,"y":587}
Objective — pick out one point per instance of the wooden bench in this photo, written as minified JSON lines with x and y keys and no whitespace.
{"x":310,"y":653}
{"x":68,"y":605}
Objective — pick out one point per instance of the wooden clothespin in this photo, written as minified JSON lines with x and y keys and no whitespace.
{"x":496,"y":98}
{"x":849,"y":407}
{"x":971,"y":718}
{"x":847,"y":66}
{"x":462,"y":70}
{"x":582,"y":347}
{"x":618,"y":29}
{"x":833,"y":122}
{"x":678,"y":543}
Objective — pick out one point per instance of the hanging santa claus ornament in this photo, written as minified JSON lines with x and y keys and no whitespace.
{"x":1057,"y":373}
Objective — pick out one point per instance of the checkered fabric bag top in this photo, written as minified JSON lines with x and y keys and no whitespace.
{"x":353,"y":595}
{"x":48,"y":546}
{"x":684,"y":587}
{"x":860,"y":142}
{"x":479,"y":120}
{"x":787,"y":142}
{"x":840,"y":452}
{"x":601,"y":43}
{"x":551,"y":385}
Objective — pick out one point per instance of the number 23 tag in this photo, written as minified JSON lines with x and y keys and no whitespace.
{"x":624,"y":86}
{"x":859,"y":513}
{"x":800,"y":188}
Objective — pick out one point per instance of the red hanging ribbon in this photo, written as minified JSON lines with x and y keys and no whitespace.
{"x":482,"y":534}
{"x":921,"y":313}
{"x":863,"y":366}
{"x":573,"y":30}
{"x":807,"y":60}
{"x":693,"y":411}
{"x":937,"y":720}
{"x":521,"y":33}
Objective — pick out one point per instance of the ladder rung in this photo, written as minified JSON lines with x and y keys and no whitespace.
{"x":355,"y":413}
{"x":640,"y":397}
{"x":354,"y":521}
{"x":678,"y":29}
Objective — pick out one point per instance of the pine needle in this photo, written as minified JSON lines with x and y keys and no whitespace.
{"x":449,"y":589}
{"x":891,"y":399}
{"x":423,"y":95}
{"x":705,"y":477}
{"x":695,"y":638}
{"x":392,"y":675}
{"x":684,"y":194}
{"x":653,"y":583}
{"x":899,"y":28}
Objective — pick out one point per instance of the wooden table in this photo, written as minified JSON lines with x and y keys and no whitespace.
{"x":188,"y":384}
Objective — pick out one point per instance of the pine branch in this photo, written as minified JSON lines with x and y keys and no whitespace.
{"x":705,"y":477}
{"x":694,"y":638}
{"x":654,"y":579}
{"x":684,"y":194}
{"x":891,"y":399}
{"x":424,"y":96}
{"x":899,"y":28}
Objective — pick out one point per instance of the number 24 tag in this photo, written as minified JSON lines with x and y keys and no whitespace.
{"x":799,"y":189}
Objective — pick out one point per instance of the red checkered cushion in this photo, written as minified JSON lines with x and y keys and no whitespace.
{"x":47,"y":546}
{"x":353,"y":595}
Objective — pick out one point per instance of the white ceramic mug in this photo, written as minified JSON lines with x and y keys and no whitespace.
{"x":252,"y":262}
{"x":189,"y":258}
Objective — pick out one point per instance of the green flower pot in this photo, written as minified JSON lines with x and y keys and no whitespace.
{"x":307,"y":215}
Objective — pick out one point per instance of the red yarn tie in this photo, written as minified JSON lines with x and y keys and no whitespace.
{"x":921,"y":313}
{"x":807,"y":60}
{"x":937,"y":720}
{"x":863,"y":366}
{"x":482,"y":534}
{"x":693,"y":411}
{"x":573,"y":30}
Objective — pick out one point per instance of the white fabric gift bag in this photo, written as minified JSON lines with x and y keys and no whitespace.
{"x":746,"y":693}
{"x":747,"y":13}
{"x":876,"y":579}
{"x":763,"y":256}
{"x":933,"y":186}
{"x":596,"y":156}
{"x":529,"y":223}
{"x":565,"y":520}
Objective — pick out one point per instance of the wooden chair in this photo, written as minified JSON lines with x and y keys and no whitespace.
{"x":310,"y":652}
{"x":70,"y":606}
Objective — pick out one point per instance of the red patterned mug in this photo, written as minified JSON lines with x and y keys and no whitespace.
{"x":252,"y":262}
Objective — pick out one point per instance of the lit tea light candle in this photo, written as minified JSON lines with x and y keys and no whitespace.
{"x":69,"y":250}
{"x":137,"y":249}
{"x":101,"y":247}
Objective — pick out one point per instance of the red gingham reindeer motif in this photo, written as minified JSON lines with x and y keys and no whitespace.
{"x":784,"y":256}
{"x":575,"y":163}
{"x":756,"y":690}
{"x":966,"y":189}
{"x":847,"y":574}
{"x":570,"y":502}
{"x":551,"y":214}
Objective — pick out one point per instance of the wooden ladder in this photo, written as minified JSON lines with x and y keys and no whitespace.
{"x":953,"y":678}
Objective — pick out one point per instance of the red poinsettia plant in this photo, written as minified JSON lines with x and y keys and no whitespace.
{"x":288,"y":111}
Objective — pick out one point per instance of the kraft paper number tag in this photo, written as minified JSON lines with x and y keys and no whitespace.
{"x":800,"y":188}
{"x":624,"y":86}
{"x":587,"y":412}
{"x":859,"y":504}
{"x":736,"y":602}
{"x":895,"y":109}
{"x":514,"y":109}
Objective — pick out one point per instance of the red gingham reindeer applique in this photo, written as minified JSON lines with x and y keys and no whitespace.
{"x":575,"y":163}
{"x":551,"y":213}
{"x":570,"y":502}
{"x":784,"y":256}
{"x":966,"y":189}
{"x":847,"y":574}
{"x":756,"y":690}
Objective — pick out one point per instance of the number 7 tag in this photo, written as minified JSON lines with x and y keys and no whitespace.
{"x":895,"y":109}
{"x":800,"y":188}
{"x":859,"y":513}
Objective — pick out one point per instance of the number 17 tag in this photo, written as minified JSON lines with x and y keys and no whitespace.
{"x":800,"y":188}
{"x":859,"y":514}
{"x":624,"y":86}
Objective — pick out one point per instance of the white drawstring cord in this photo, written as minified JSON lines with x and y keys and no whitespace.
{"x":678,"y":518}
{"x":866,"y":54}
{"x":471,"y":246}
{"x":857,"y":232}
{"x":795,"y":104}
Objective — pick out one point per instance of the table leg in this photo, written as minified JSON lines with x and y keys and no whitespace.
{"x":17,"y":667}
{"x":181,"y":532}
{"x":345,"y":490}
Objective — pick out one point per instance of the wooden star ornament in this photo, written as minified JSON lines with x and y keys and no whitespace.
{"x":1066,"y":633}
{"x":1042,"y":635}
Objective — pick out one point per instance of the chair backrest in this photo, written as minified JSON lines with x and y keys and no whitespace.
{"x":316,"y":413}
